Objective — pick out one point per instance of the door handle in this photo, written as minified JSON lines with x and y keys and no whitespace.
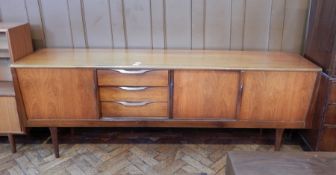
{"x":127,"y":88}
{"x":137,"y":103}
{"x":123,"y":71}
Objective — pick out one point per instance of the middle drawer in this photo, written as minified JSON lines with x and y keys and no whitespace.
{"x":125,"y":93}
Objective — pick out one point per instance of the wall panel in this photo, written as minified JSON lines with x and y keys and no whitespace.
{"x":217,"y":24}
{"x":276,"y":24}
{"x":237,"y":24}
{"x":257,"y":23}
{"x":182,"y":24}
{"x":138,"y":23}
{"x":77,"y":24}
{"x":158,"y":23}
{"x":57,"y":30}
{"x":118,"y":24}
{"x":97,"y":23}
{"x":197,"y":20}
{"x":13,"y":10}
{"x":34,"y":18}
{"x":294,"y":25}
{"x":178,"y":24}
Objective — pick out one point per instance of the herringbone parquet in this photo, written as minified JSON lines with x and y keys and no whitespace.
{"x":123,"y":158}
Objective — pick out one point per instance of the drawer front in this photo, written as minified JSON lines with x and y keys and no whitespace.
{"x":327,"y":140}
{"x":332,"y":95}
{"x":154,"y":94}
{"x":120,"y":77}
{"x":330,"y":117}
{"x":114,"y":109}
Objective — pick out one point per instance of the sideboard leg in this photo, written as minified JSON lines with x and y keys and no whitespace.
{"x":11,"y":140}
{"x":72,"y":132}
{"x":278,"y":139}
{"x":54,"y":140}
{"x":261,"y":132}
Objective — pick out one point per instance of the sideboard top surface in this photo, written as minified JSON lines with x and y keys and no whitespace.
{"x":165,"y":59}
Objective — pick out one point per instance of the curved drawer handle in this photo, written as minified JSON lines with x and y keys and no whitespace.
{"x":127,"y":88}
{"x":123,"y":71}
{"x":138,"y":103}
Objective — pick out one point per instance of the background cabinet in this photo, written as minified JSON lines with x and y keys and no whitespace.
{"x":321,"y":49}
{"x":59,"y":93}
{"x":321,"y":41}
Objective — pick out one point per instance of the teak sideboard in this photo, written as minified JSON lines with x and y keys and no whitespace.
{"x":165,"y":88}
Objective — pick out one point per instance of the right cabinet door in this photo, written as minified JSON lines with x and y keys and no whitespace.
{"x":276,"y":96}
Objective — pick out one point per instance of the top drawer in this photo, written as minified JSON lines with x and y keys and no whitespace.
{"x":121,"y":77}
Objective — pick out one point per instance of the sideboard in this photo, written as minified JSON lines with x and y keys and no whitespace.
{"x":165,"y":88}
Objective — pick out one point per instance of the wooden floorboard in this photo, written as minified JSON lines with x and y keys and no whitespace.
{"x":132,"y":151}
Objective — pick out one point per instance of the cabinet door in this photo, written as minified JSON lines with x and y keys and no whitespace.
{"x":205,"y":94}
{"x":58,"y":93}
{"x":9,"y":119}
{"x":276,"y":96}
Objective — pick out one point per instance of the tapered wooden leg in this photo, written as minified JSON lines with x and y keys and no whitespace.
{"x":72,"y":131}
{"x":54,"y":140}
{"x":11,"y":140}
{"x":260,"y":132}
{"x":278,"y":139}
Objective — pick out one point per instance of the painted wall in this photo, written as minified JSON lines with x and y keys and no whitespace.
{"x":186,"y":24}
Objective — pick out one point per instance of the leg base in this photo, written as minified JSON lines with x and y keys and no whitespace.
{"x":278,"y":139}
{"x":54,"y":140}
{"x":11,"y":140}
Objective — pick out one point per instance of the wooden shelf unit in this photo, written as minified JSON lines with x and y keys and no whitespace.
{"x":4,"y":48}
{"x":15,"y":42}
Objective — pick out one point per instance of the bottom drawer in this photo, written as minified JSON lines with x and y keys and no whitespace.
{"x":330,"y":117}
{"x":328,"y":141}
{"x":134,"y":109}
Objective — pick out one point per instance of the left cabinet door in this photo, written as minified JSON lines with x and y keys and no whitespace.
{"x":58,"y":93}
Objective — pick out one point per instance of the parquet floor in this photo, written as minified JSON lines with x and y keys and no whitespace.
{"x":126,"y":157}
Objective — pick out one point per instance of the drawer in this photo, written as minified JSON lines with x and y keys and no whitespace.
{"x":330,"y":116}
{"x":134,"y":109}
{"x":332,"y":95}
{"x":120,"y":77}
{"x":124,"y":93}
{"x":327,"y":140}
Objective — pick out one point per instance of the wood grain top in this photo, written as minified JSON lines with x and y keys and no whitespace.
{"x":165,"y":59}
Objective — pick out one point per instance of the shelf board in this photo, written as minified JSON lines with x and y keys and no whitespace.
{"x":6,"y":88}
{"x":4,"y":53}
{"x":5,"y":72}
{"x":3,"y":44}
